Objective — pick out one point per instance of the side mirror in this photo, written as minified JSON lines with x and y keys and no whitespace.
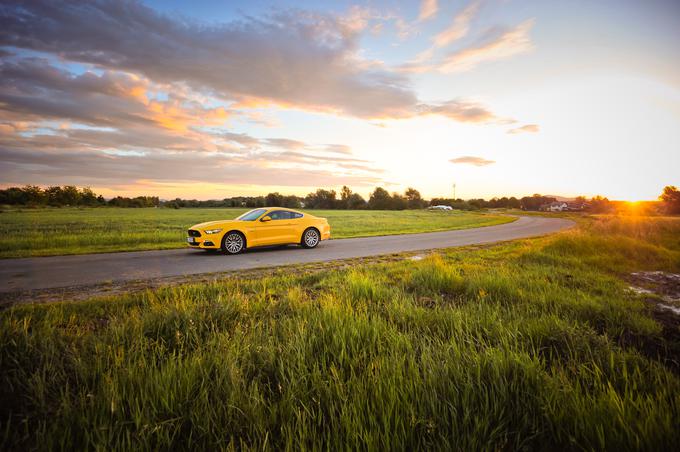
{"x":266,"y":218}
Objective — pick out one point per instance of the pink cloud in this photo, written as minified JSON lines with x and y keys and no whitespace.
{"x":529,"y":128}
{"x":470,"y":160}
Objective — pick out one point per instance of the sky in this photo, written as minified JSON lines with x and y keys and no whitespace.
{"x":213,"y":99}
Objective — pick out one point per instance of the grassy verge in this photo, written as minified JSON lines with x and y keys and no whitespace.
{"x":534,"y":344}
{"x":49,"y":232}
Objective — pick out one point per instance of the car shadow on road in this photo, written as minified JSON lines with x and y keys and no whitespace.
{"x":251,"y":251}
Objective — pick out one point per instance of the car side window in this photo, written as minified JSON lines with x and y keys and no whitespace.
{"x":296,"y":215}
{"x":280,"y":215}
{"x":252,"y":215}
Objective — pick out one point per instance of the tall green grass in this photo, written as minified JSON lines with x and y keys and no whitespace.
{"x":45,"y":232}
{"x":533,"y":345}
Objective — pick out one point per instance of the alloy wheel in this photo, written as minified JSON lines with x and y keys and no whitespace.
{"x":311,"y":238}
{"x":233,"y":243}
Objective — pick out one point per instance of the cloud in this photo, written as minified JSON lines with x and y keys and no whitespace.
{"x":338,"y":148}
{"x":302,"y":60}
{"x":459,"y":27}
{"x":497,"y":45}
{"x":241,"y":138}
{"x":265,"y":153}
{"x":529,"y":128}
{"x":285,"y":143}
{"x":153,"y":95}
{"x":357,"y":19}
{"x":51,"y":120}
{"x":470,"y":160}
{"x":33,"y":90}
{"x":428,"y":9}
{"x":462,"y":111}
{"x":43,"y":168}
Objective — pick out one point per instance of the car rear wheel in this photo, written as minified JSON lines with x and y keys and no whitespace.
{"x":310,"y":238}
{"x":233,"y":243}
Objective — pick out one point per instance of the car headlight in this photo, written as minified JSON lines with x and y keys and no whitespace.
{"x":212,"y":231}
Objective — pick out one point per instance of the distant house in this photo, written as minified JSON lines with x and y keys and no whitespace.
{"x":576,"y":206}
{"x":557,"y":206}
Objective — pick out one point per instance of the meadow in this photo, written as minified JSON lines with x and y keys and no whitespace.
{"x":529,"y":345}
{"x":60,"y":231}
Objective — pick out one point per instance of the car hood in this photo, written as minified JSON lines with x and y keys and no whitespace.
{"x":208,"y":224}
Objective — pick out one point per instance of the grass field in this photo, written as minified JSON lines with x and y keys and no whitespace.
{"x":46,"y":232}
{"x":533,"y":345}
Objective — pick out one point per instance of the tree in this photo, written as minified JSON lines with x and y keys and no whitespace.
{"x":255,"y":201}
{"x":88,"y":197}
{"x":398,"y":202}
{"x":345,"y":195}
{"x":321,"y":199}
{"x":598,"y":204}
{"x":68,"y":195}
{"x":380,"y":199}
{"x":356,"y":201}
{"x":53,"y":195}
{"x":12,"y":195}
{"x":292,"y":202}
{"x":413,"y":199}
{"x":274,"y":200}
{"x":33,"y":195}
{"x":478,"y":203}
{"x":671,"y":199}
{"x":535,"y":202}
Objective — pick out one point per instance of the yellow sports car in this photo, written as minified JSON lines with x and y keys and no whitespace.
{"x":260,"y":227}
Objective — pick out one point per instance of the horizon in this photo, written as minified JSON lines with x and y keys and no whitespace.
{"x":559,"y":198}
{"x":501,"y":98}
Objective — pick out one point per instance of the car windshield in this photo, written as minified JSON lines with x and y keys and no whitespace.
{"x":252,"y":215}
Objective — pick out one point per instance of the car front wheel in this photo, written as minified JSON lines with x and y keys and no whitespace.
{"x":233,"y":243}
{"x":310,"y":238}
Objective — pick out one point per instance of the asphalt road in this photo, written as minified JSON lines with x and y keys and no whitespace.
{"x":83,"y":270}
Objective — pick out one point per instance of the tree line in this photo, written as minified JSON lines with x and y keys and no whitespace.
{"x":320,"y":199}
{"x":69,"y":195}
{"x":379,"y":199}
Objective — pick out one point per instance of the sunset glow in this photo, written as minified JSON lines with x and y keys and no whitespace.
{"x":502,"y":98}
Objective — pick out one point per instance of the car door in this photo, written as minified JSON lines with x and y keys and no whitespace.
{"x":279,"y":230}
{"x":298,"y":225}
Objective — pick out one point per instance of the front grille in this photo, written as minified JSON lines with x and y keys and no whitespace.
{"x":194,"y":233}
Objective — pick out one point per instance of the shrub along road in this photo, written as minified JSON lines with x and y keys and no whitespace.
{"x":64,"y":271}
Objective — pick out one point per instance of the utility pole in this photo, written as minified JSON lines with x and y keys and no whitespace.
{"x":454,"y":192}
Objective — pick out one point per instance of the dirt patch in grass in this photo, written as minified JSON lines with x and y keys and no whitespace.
{"x":659,"y":288}
{"x":666,"y":285}
{"x":662,"y":291}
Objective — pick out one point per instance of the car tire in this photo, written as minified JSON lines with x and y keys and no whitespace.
{"x":233,"y":242}
{"x":310,"y":238}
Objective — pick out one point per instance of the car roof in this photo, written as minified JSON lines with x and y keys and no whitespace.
{"x":283,"y":208}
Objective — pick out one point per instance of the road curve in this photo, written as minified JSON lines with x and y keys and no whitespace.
{"x":89,"y":269}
